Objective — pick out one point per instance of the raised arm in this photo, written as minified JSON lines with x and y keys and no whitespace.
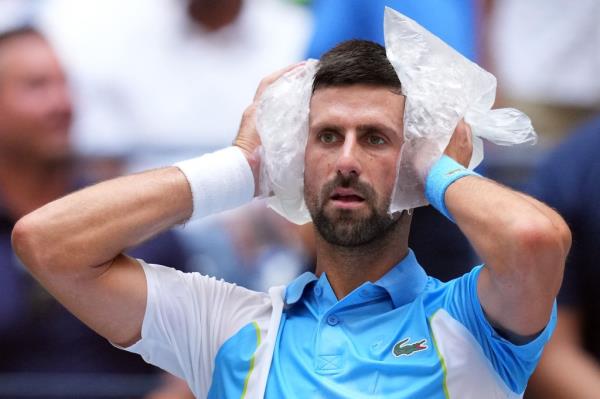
{"x":522,"y":242}
{"x":74,"y":245}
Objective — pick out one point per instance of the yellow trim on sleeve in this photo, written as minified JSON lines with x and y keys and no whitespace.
{"x":442,"y":361}
{"x":251,"y":368}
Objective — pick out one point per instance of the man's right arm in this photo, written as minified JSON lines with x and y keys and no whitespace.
{"x":74,"y":246}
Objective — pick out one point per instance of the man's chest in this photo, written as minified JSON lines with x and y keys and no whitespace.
{"x":368,"y":350}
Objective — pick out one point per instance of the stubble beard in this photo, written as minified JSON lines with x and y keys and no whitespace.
{"x":346,"y":227}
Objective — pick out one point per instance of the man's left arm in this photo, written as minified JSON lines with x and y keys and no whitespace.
{"x":522,"y":242}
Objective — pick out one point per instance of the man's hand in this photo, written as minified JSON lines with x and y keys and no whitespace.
{"x":460,"y":147}
{"x":247,"y":138}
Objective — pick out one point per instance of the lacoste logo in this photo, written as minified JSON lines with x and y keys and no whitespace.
{"x":403,"y":348}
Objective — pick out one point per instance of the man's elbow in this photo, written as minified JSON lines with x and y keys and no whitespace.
{"x":31,"y":245}
{"x":565,"y":237}
{"x":544,"y":245}
{"x":538,"y":235}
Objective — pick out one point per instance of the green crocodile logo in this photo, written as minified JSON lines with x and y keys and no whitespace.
{"x":403,"y":348}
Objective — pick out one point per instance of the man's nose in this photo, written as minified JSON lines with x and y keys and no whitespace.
{"x":348,"y":162}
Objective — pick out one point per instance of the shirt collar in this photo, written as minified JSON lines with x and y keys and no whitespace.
{"x":295,"y":289}
{"x":404,"y":282}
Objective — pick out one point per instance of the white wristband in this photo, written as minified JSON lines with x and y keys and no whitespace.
{"x":219,"y":181}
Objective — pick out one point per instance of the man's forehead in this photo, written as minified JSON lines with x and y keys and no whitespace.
{"x":358,"y":103}
{"x":358,"y":93}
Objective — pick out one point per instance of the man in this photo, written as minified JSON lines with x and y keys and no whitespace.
{"x":443,"y":250}
{"x":568,"y":180}
{"x":37,"y":335}
{"x":370,"y":323}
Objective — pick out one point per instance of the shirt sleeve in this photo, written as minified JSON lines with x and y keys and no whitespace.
{"x":513,"y":363}
{"x":188,"y":316}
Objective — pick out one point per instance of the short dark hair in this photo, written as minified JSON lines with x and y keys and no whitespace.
{"x":23,"y":30}
{"x":356,"y":62}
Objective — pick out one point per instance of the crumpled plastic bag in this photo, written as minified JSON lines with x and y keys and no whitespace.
{"x":282,"y":123}
{"x":441,"y":87}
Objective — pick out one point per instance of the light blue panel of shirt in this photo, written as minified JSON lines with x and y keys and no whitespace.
{"x":345,"y":349}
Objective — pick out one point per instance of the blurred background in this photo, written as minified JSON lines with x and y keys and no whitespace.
{"x":93,"y":89}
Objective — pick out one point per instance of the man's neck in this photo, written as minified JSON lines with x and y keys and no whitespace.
{"x":349,"y":267}
{"x":27,"y":185}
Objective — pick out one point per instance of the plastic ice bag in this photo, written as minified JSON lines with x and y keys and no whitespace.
{"x":441,"y":87}
{"x":282,"y":123}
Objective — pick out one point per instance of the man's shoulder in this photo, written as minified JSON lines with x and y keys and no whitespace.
{"x":434,"y":284}
{"x":203,"y":301}
{"x":166,"y":280}
{"x":452,"y":293}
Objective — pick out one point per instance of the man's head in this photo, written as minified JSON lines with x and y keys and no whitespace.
{"x":354,"y":142}
{"x":35,"y":105}
{"x":214,"y":14}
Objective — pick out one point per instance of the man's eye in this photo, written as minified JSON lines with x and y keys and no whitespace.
{"x":327,"y":138}
{"x":375,"y":140}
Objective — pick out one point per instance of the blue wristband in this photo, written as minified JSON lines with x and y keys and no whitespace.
{"x":442,"y":174}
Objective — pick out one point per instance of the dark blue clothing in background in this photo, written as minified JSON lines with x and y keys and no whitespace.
{"x":569,"y":181}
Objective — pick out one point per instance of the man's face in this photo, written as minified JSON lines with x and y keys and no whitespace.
{"x":354,"y":142}
{"x":35,"y":105}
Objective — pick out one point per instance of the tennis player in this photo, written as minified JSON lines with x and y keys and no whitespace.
{"x":369,"y":323}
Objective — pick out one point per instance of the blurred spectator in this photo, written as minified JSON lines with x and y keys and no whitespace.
{"x":37,"y":335}
{"x":439,"y":245}
{"x":546,"y":56}
{"x":159,"y":80}
{"x":569,"y":180}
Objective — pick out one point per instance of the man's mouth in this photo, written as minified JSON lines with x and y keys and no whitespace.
{"x":346,"y":197}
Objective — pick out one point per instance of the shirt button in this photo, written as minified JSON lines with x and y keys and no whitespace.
{"x":332,"y":320}
{"x":318,"y":290}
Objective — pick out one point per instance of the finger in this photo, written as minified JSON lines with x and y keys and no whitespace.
{"x":460,"y":147}
{"x":464,"y":131}
{"x":466,"y":138}
{"x":269,"y":79}
{"x":461,"y":136}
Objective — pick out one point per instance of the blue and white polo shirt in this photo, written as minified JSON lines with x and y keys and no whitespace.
{"x":406,"y":336}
